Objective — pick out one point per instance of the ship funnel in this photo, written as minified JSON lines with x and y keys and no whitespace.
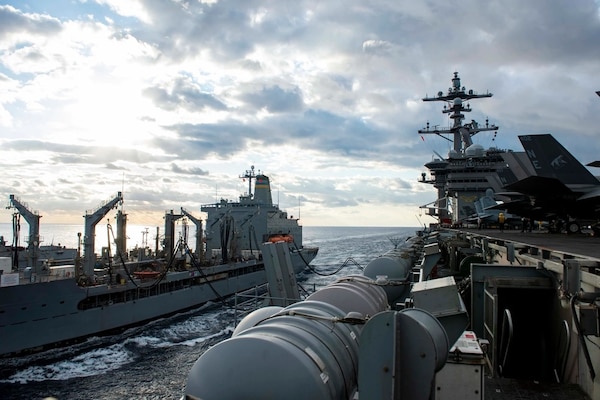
{"x":262,"y":190}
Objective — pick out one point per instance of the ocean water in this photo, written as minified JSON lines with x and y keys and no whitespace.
{"x":152,"y":361}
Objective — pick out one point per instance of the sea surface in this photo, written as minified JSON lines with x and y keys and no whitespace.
{"x":152,"y":361}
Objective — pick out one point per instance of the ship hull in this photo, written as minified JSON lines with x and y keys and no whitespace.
{"x":303,"y":257}
{"x":42,"y":315}
{"x":37,"y":316}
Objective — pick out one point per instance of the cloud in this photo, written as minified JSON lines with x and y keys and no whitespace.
{"x":324,"y":97}
{"x":189,"y":171}
{"x":380,"y":47}
{"x":197,"y":141}
{"x":274,"y":99}
{"x":14,"y":22}
{"x":183,"y":94}
{"x":80,"y":154}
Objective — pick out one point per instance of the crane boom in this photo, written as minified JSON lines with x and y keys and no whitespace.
{"x":198,"y":223}
{"x":33,"y":220}
{"x":91,"y":220}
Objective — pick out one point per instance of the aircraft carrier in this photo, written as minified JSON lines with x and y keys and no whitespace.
{"x":449,"y":314}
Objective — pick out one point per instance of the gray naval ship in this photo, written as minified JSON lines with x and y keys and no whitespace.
{"x":235,"y":230}
{"x":448,"y":314}
{"x":47,"y":306}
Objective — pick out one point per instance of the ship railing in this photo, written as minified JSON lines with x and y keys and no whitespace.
{"x":27,"y":275}
{"x":257,"y":297}
{"x":102,"y":204}
{"x":249,"y":300}
{"x":25,"y":239}
{"x":24,"y":204}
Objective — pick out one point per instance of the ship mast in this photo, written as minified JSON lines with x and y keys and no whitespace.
{"x":456,"y":98}
{"x":249,"y":175}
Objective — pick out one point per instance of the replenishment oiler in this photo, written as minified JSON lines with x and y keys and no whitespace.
{"x":44,"y":306}
{"x":453,"y":313}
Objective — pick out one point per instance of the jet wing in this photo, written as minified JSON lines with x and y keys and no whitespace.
{"x":524,"y":208}
{"x":471,"y":218}
{"x":474,"y":217}
{"x":485,"y":216}
{"x":561,"y":187}
{"x":594,"y":194}
{"x":539,"y":186}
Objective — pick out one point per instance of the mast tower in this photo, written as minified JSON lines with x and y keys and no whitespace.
{"x":469,"y":170}
{"x":456,"y":98}
{"x":249,"y":175}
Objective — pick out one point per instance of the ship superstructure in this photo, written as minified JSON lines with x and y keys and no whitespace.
{"x":469,"y":169}
{"x":234,"y":230}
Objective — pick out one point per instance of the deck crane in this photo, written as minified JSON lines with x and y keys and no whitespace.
{"x":33,"y":243}
{"x":169,"y":242}
{"x":199,"y":245}
{"x":91,"y":220}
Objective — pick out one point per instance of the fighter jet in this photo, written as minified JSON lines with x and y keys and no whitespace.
{"x":487,"y":210}
{"x":562,"y":189}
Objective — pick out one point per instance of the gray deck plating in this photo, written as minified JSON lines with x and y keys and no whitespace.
{"x":578,"y":244}
{"x":505,"y":389}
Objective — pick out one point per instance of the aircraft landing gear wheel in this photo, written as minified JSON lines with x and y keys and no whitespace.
{"x":573,"y":227}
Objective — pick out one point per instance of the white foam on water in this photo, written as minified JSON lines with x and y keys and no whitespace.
{"x":95,"y":362}
{"x":191,"y":331}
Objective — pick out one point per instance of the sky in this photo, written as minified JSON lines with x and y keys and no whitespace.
{"x":171,"y":101}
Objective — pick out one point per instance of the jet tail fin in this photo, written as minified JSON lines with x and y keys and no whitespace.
{"x":551,"y":160}
{"x":478,"y":207}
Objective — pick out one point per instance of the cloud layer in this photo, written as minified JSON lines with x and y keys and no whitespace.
{"x":172,"y":101}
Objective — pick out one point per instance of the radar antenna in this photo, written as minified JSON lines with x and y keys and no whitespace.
{"x":249,"y":174}
{"x":456,"y":105}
